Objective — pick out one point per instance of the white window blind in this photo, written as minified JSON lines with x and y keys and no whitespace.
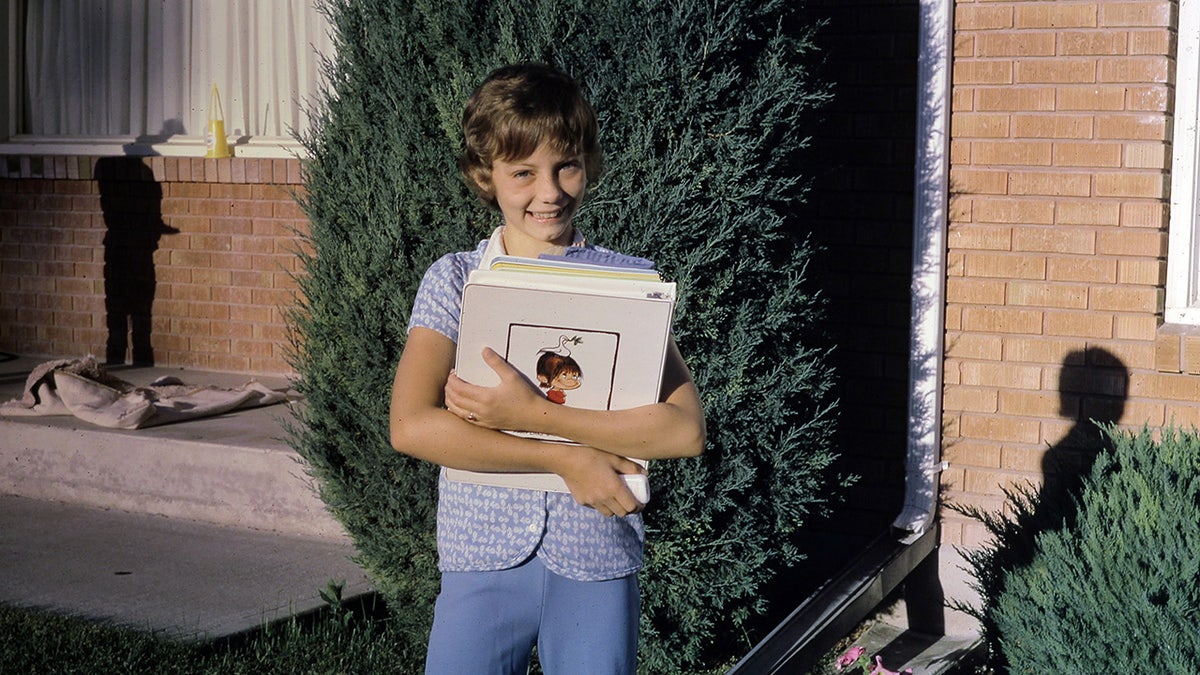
{"x":139,"y":73}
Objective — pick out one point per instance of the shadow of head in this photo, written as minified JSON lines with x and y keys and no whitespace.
{"x":1093,"y":386}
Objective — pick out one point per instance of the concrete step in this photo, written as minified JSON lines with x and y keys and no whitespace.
{"x":200,"y":529}
{"x":232,"y":469}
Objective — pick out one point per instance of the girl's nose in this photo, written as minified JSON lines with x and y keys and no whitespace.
{"x":549,"y":189}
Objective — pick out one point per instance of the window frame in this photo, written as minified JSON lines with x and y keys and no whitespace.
{"x":1182,"y":305}
{"x":12,"y":142}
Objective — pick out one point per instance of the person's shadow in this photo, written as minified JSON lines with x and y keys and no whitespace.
{"x":1092,"y":388}
{"x":131,"y":201}
{"x":1093,"y":385}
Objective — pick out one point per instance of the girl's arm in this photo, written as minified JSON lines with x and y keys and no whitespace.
{"x":674,"y":427}
{"x":422,"y":428}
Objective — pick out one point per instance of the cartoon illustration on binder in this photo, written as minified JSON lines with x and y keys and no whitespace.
{"x":557,"y":371}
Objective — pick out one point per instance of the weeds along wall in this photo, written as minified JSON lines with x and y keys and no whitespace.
{"x":205,"y":247}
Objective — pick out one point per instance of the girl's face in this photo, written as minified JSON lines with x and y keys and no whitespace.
{"x":566,"y":381}
{"x":538,"y":196}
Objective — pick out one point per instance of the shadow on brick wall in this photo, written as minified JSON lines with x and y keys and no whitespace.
{"x":131,"y":201}
{"x":1092,"y":387}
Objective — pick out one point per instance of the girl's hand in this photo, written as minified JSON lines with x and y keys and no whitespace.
{"x":594,"y":478}
{"x":511,"y":404}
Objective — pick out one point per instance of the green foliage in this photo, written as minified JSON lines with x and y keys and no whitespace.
{"x":700,"y":110}
{"x":1115,"y":586}
{"x":344,"y":639}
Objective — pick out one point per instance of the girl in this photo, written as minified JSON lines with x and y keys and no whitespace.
{"x":524,"y":567}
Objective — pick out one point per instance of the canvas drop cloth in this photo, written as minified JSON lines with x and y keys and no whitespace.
{"x":81,"y":387}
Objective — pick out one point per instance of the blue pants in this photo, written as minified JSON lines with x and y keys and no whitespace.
{"x":486,"y":623}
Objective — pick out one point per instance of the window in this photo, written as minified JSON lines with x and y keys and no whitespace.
{"x":136,"y":76}
{"x":1183,"y":261}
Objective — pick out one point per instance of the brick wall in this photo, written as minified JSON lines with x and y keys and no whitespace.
{"x":1060,"y":158}
{"x":206,"y":247}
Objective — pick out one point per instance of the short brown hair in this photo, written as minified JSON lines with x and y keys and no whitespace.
{"x":515,"y":110}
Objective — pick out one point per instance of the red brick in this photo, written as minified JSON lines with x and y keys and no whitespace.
{"x":1152,"y":42}
{"x":1092,"y":43}
{"x":981,"y":237}
{"x":1019,"y":211}
{"x":1055,"y":183}
{"x":1147,"y":272}
{"x":1018,"y":153}
{"x":1096,"y":97}
{"x":1000,"y":428}
{"x":975,"y":291}
{"x":982,"y":17}
{"x":979,"y":181}
{"x":1079,"y":324}
{"x":1051,"y":125}
{"x":990,"y":45}
{"x":1029,"y":404}
{"x":1001,"y":375}
{"x":1048,"y":71}
{"x":1134,"y":69}
{"x":1134,"y":327}
{"x":974,"y":346}
{"x":1137,"y":242}
{"x":1132,"y":126}
{"x":979,"y":125}
{"x":1023,"y":458}
{"x":1055,"y":15}
{"x":1063,"y":296}
{"x":973,"y":453}
{"x":1035,"y":349}
{"x":1147,"y":156}
{"x":1139,"y":185}
{"x":1096,"y":270}
{"x":1164,"y":386}
{"x":1005,"y":266}
{"x":1127,"y":299}
{"x":1157,"y":13}
{"x":992,"y":99}
{"x":1002,"y":320}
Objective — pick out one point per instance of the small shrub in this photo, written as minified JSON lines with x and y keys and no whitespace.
{"x":1116,"y":587}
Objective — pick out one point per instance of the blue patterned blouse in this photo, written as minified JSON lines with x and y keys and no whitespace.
{"x":483,"y":528}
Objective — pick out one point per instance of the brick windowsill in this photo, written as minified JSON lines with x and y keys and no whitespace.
{"x":1177,"y":349}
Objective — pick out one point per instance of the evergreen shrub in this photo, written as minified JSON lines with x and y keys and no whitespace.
{"x":701,"y":111}
{"x":1113,"y":584}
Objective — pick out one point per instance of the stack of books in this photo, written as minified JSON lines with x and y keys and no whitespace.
{"x":591,"y":331}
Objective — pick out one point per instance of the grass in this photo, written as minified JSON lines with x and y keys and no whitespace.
{"x":339,"y":639}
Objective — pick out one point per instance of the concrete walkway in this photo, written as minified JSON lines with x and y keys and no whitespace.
{"x":176,"y":577}
{"x":200,"y":529}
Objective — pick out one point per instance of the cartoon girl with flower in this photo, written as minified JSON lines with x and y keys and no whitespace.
{"x":557,"y":371}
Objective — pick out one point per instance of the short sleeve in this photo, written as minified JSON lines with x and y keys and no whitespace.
{"x":438,"y":304}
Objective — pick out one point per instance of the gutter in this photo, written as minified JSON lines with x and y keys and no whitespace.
{"x":842,"y":603}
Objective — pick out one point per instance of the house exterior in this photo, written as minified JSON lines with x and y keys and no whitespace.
{"x":210,"y":264}
{"x":1069,"y":258}
{"x":1070,"y":238}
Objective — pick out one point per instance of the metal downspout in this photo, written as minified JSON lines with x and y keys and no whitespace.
{"x":927,"y":320}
